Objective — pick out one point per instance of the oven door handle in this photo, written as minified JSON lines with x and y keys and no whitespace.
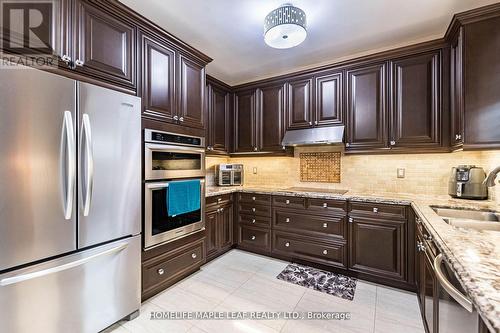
{"x":454,"y":292}
{"x":154,"y":186}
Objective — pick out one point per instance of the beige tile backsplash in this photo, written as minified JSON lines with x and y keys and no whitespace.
{"x":424,"y":173}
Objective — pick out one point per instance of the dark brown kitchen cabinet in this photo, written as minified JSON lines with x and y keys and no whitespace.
{"x":245,"y":121}
{"x":270,"y":118}
{"x":456,"y":91}
{"x":218,"y":227}
{"x":415,"y":102}
{"x":299,"y":103}
{"x":158,"y":75}
{"x":366,"y":107}
{"x":378,"y":247}
{"x":329,"y":99}
{"x":481,"y":75}
{"x":191,"y":93}
{"x":218,"y":118}
{"x":104,"y":44}
{"x":428,"y":293}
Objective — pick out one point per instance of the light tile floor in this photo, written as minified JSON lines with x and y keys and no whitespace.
{"x":242,"y":281}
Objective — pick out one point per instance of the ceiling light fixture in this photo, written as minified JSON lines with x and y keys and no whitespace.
{"x":285,"y":27}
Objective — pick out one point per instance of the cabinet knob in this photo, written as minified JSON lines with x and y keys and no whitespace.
{"x":193,"y":255}
{"x":348,"y":145}
{"x":325,"y":252}
{"x":222,"y":209}
{"x":252,"y":238}
{"x":253,"y":209}
{"x":181,"y":119}
{"x":255,"y":149}
{"x":218,"y":210}
{"x":310,"y":123}
{"x":283,"y":147}
{"x":253,"y":198}
{"x":253,"y":220}
{"x":351,"y":220}
{"x":287,"y":244}
{"x":325,"y":205}
{"x":79,"y":63}
{"x":287,"y":220}
{"x":287,"y":202}
{"x":176,"y":118}
{"x":315,"y":122}
{"x":66,"y":58}
{"x":393,"y":143}
{"x":325,"y":225}
{"x":161,"y":271}
{"x":375,"y":209}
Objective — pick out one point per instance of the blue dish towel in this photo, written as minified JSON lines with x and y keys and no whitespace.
{"x":183,"y":197}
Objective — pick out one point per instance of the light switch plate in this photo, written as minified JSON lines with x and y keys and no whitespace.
{"x":401,"y":173}
{"x":254,"y":170}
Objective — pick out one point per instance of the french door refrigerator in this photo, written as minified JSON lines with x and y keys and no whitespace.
{"x":70,"y":204}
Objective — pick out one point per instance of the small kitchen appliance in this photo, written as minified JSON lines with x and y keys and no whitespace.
{"x":229,"y":174}
{"x":466,"y":182}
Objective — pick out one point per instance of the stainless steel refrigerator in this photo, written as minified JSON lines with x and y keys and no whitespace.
{"x":70,"y":204}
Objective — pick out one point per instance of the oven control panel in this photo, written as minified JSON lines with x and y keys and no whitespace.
{"x":173,"y":138}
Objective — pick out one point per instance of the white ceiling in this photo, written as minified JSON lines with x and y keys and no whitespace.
{"x":231,"y":31}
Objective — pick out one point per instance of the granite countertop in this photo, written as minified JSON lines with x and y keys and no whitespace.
{"x":474,"y":255}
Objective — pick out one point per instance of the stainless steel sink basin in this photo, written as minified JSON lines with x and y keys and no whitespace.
{"x":470,"y":219}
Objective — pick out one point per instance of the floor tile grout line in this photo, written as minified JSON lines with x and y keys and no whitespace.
{"x":375,"y":312}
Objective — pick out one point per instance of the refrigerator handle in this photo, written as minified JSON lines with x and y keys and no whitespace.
{"x":68,"y":156}
{"x":57,"y":269}
{"x":87,"y":188}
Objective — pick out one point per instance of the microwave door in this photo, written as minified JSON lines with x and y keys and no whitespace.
{"x":37,"y":173}
{"x":109,"y":126}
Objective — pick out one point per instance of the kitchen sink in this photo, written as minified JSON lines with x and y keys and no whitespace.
{"x":469,"y":218}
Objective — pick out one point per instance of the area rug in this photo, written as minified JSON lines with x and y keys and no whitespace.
{"x":334,"y":284}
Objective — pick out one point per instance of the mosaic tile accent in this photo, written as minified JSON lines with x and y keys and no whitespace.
{"x":319,"y":167}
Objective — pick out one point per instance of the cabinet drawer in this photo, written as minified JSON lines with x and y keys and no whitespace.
{"x":373,"y":210}
{"x":308,"y":248}
{"x":321,"y":225}
{"x":255,"y":210}
{"x":254,"y":238}
{"x":172,"y":265}
{"x":218,"y":200}
{"x":257,"y":199}
{"x":290,"y":202}
{"x":327,"y":206}
{"x":258,"y":221}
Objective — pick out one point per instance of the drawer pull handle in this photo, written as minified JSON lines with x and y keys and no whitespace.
{"x":325,"y":205}
{"x":287,"y":220}
{"x":253,"y":209}
{"x":161,"y":271}
{"x":287,"y":244}
{"x":351,"y":220}
{"x":252,"y":238}
{"x":193,"y":255}
{"x":325,"y":252}
{"x":325,"y":225}
{"x":253,"y":198}
{"x":219,"y":199}
{"x":287,"y":202}
{"x":253,"y":220}
{"x":375,"y":209}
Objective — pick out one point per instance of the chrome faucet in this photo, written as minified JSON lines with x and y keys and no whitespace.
{"x":490,"y":180}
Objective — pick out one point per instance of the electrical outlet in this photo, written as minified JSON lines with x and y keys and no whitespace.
{"x":401,"y":173}
{"x":254,"y":170}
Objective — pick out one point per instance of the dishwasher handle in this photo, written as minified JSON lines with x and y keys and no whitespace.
{"x":454,"y":292}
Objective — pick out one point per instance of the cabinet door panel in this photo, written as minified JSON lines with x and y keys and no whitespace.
{"x":219,"y":122}
{"x":415,"y":100}
{"x":329,"y":100}
{"x":244,"y":127}
{"x":299,"y":104}
{"x":225,"y":225}
{"x":105,"y":44}
{"x":191,"y":93}
{"x":456,"y":91}
{"x":270,"y":122}
{"x":211,"y":233}
{"x":366,"y":107}
{"x":158,"y":80}
{"x":378,"y":247}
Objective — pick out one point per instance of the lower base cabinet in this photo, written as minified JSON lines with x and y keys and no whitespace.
{"x":219,"y":226}
{"x":254,"y":238}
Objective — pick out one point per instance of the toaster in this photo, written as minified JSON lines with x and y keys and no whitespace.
{"x":466,"y":181}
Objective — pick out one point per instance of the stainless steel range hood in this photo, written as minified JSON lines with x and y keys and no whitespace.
{"x":314,"y":136}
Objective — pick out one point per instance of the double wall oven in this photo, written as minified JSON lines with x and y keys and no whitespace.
{"x":171,"y":159}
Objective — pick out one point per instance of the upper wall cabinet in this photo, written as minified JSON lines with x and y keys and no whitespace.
{"x":158,"y":79}
{"x":218,"y":116}
{"x":270,"y":117}
{"x":245,"y":118}
{"x":104,"y":45}
{"x":299,"y":102}
{"x":191,"y":92}
{"x":366,"y":107}
{"x":415,"y":104}
{"x":329,"y":99}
